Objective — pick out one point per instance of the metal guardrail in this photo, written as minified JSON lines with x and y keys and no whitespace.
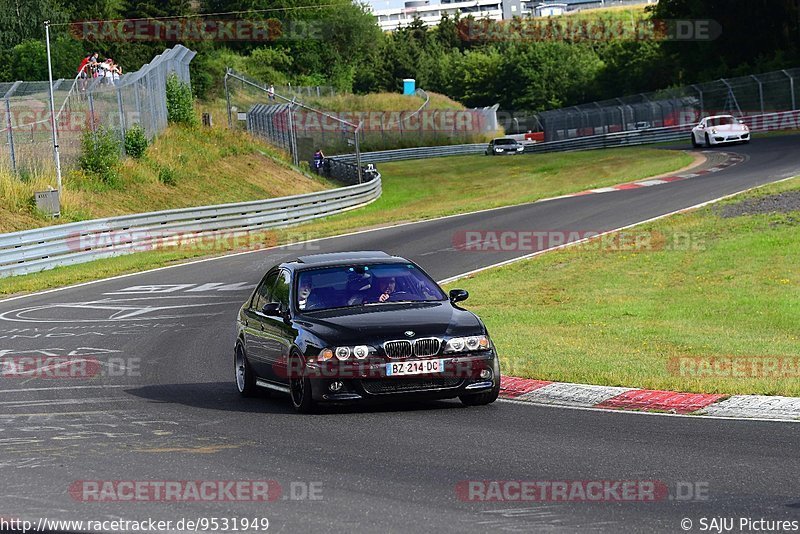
{"x":382,"y":156}
{"x":757,"y":123}
{"x":45,"y":248}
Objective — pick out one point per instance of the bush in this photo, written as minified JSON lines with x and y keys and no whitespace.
{"x":168,"y":176}
{"x":180,"y":103}
{"x":100,"y":154}
{"x":135,"y":142}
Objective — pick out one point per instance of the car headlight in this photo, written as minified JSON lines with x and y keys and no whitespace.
{"x":360,"y":352}
{"x":342,"y":352}
{"x":498,"y":149}
{"x":467,"y":344}
{"x":714,"y":131}
{"x":520,"y":148}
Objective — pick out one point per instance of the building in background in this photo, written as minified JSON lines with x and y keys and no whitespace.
{"x":431,"y":13}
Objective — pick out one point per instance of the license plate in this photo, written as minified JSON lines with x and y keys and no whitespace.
{"x":414,"y":367}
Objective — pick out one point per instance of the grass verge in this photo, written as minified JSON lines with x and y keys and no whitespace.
{"x":713,"y":310}
{"x":412,"y":190}
{"x":184,"y":167}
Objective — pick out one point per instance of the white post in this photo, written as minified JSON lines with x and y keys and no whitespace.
{"x":56,"y":155}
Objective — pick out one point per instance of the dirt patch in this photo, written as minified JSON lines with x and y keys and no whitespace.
{"x":785,"y":202}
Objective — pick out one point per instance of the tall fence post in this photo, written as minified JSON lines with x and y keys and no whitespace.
{"x":791,"y":88}
{"x":760,"y":91}
{"x":228,"y":98}
{"x":292,"y":138}
{"x":358,"y":151}
{"x":702,"y":104}
{"x":10,"y":126}
{"x":121,"y":119}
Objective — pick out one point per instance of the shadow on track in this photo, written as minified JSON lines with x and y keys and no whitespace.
{"x":222,"y":396}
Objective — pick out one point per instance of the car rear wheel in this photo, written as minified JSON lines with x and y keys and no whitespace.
{"x":300,"y":389}
{"x":245,"y":379}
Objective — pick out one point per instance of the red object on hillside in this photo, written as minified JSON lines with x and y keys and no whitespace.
{"x":536,"y":137}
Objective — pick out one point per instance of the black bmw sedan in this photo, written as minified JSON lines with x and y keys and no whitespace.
{"x":352,"y":326}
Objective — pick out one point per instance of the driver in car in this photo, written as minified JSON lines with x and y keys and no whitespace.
{"x":386,"y":287}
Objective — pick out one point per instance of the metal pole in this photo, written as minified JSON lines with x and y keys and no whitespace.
{"x":702,"y":104}
{"x":56,"y":155}
{"x":760,"y":92}
{"x":228,"y":98}
{"x":791,"y":87}
{"x":292,"y":139}
{"x":121,"y":120}
{"x":358,"y":152}
{"x":11,"y":137}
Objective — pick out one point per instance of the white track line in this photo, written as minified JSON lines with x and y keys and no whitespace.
{"x":277,"y":247}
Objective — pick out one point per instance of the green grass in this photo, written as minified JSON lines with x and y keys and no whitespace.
{"x":379,"y":102}
{"x":726,"y":287}
{"x":416,"y":190}
{"x":206,"y":166}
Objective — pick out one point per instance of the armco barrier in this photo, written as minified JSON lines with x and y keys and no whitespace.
{"x":757,"y":123}
{"x":66,"y":244}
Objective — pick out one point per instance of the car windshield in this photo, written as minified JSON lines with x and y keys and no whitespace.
{"x":364,"y":285}
{"x":505,"y":142}
{"x":721,"y":121}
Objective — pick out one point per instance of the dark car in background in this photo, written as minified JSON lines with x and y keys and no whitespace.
{"x":354,"y":326}
{"x":504,"y":145}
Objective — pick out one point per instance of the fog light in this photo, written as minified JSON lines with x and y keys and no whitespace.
{"x":336,"y":386}
{"x":485,"y":373}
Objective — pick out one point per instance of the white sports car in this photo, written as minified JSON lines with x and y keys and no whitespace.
{"x":720,"y":129}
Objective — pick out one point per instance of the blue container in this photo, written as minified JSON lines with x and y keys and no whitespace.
{"x":409,"y":86}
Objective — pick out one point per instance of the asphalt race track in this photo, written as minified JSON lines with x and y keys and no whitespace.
{"x":163,"y":406}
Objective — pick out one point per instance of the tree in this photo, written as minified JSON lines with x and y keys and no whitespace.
{"x":24,"y":19}
{"x":755,"y":35}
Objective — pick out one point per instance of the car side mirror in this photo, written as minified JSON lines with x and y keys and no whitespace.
{"x":271,"y":309}
{"x":458,"y":295}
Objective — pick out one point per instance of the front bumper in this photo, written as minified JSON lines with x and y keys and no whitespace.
{"x":731,"y":138}
{"x":461,"y":376}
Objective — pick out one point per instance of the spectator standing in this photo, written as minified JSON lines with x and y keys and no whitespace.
{"x":271,"y":92}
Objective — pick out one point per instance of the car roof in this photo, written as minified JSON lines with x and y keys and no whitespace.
{"x":339,"y":258}
{"x":719,"y":116}
{"x":503,"y":139}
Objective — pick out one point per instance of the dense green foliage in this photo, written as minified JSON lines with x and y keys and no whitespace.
{"x":135,"y":141}
{"x":100,"y":155}
{"x":337,"y":42}
{"x":180,"y":103}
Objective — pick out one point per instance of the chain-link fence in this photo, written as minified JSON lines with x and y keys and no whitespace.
{"x":138,"y":97}
{"x":300,"y":91}
{"x":279,"y":119}
{"x":302,"y":130}
{"x":744,"y":96}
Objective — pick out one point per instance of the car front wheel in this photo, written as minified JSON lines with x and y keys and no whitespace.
{"x":695,"y":144}
{"x":481,"y":399}
{"x":708,"y":140}
{"x":300,"y":389}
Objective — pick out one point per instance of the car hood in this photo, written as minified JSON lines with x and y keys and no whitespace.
{"x":381,"y":322}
